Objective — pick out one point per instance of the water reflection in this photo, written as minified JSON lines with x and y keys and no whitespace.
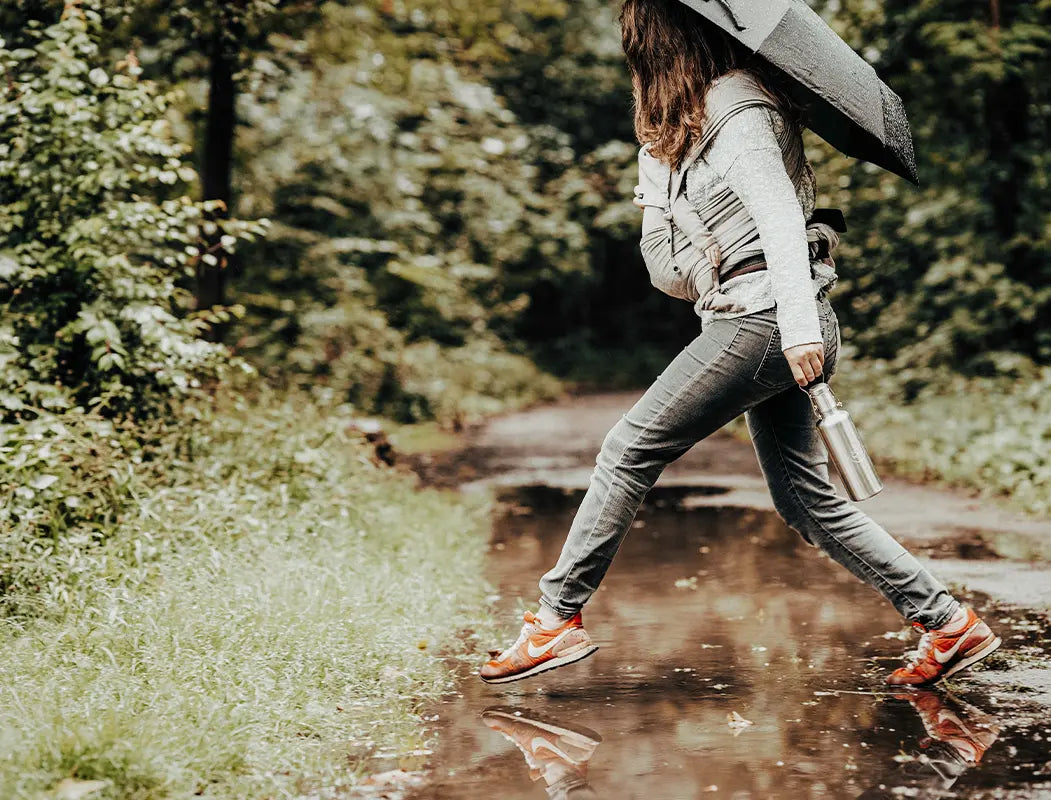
{"x":556,"y":752}
{"x":706,"y":613}
{"x":957,"y":735}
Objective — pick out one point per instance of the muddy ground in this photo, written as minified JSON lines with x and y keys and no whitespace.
{"x":735,"y":660}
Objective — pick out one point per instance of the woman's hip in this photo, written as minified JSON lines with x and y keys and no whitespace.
{"x":731,"y":366}
{"x":756,"y":346}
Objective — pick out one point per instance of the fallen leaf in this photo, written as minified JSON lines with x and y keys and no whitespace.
{"x":737,"y":723}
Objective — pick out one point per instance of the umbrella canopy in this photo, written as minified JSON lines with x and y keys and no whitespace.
{"x":850,"y":107}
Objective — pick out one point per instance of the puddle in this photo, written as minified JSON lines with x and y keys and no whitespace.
{"x":711,"y":616}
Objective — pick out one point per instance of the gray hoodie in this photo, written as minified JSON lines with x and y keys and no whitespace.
{"x":748,"y":193}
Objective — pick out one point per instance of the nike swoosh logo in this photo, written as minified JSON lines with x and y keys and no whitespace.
{"x":948,"y":654}
{"x":536,"y":652}
{"x":539,"y":743}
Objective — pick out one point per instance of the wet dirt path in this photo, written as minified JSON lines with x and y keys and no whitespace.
{"x":735,"y":661}
{"x":706,"y":613}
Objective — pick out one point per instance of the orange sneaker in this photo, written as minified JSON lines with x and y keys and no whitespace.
{"x":538,"y":649}
{"x":942,"y":654}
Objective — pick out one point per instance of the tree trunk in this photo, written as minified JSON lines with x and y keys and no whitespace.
{"x":1007,"y":113}
{"x":217,"y":163}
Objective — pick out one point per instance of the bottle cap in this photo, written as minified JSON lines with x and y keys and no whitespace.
{"x":824,"y":401}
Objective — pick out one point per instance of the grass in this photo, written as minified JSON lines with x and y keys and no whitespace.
{"x":283,"y":620}
{"x":990,"y":435}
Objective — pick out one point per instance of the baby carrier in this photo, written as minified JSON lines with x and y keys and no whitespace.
{"x":684,"y":257}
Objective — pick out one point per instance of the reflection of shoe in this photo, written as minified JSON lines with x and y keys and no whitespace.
{"x":943,"y":654}
{"x":968,"y":730}
{"x":539,"y":649}
{"x":554,"y":752}
{"x":958,"y":734}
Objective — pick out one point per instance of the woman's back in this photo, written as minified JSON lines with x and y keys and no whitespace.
{"x":754,"y":189}
{"x":737,"y":137}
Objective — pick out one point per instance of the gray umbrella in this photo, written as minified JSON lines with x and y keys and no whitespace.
{"x":850,"y":107}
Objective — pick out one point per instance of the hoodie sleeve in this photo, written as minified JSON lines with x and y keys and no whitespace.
{"x":745,"y":153}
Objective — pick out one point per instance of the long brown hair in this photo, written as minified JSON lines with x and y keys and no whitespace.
{"x":673,"y":55}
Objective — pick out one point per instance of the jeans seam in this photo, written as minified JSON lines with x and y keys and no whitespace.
{"x":620,"y":459}
{"x":829,"y":533}
{"x":766,"y":357}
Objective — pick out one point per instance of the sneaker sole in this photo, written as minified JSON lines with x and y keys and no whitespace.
{"x":984,"y":650}
{"x":580,"y":733}
{"x":544,"y":666}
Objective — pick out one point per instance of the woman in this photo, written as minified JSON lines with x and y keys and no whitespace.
{"x":767,"y":330}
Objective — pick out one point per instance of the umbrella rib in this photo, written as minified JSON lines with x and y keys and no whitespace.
{"x":730,"y":11}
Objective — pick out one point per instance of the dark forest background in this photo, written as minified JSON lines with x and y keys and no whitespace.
{"x":422,"y":211}
{"x":244,"y":243}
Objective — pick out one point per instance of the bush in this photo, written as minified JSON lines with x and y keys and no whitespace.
{"x":97,"y":234}
{"x":987,"y":434}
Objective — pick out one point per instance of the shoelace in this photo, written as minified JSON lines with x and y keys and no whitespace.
{"x":923,"y":650}
{"x":527,"y":631}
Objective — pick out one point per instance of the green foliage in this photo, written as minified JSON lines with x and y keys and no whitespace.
{"x":956,"y":272}
{"x":262,"y":611}
{"x":986,"y":434}
{"x":95,"y":234}
{"x":68,"y":481}
{"x":412,"y":227}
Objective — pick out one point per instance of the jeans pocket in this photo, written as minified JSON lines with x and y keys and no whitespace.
{"x":773,"y":371}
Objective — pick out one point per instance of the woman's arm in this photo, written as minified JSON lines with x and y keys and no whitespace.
{"x":746,"y":154}
{"x":671,"y":273}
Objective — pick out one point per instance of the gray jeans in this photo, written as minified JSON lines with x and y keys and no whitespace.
{"x":736,"y":365}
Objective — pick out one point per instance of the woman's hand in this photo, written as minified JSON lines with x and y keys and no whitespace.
{"x":807,"y":361}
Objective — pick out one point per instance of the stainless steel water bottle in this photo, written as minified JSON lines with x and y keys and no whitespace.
{"x":844,"y":443}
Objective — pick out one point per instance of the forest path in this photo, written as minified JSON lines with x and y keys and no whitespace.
{"x":735,"y":660}
{"x":978,"y":542}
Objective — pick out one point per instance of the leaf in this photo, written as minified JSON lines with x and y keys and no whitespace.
{"x":42,"y":482}
{"x":737,"y":723}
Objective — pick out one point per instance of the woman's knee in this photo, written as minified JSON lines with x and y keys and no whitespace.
{"x":614,"y":445}
{"x":627,"y":453}
{"x":812,"y":514}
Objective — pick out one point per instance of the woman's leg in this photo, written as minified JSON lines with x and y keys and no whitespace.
{"x":708,"y":384}
{"x":794,"y":461}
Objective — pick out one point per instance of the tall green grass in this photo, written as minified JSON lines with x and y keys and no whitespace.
{"x":283,"y":619}
{"x":991,"y":435}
